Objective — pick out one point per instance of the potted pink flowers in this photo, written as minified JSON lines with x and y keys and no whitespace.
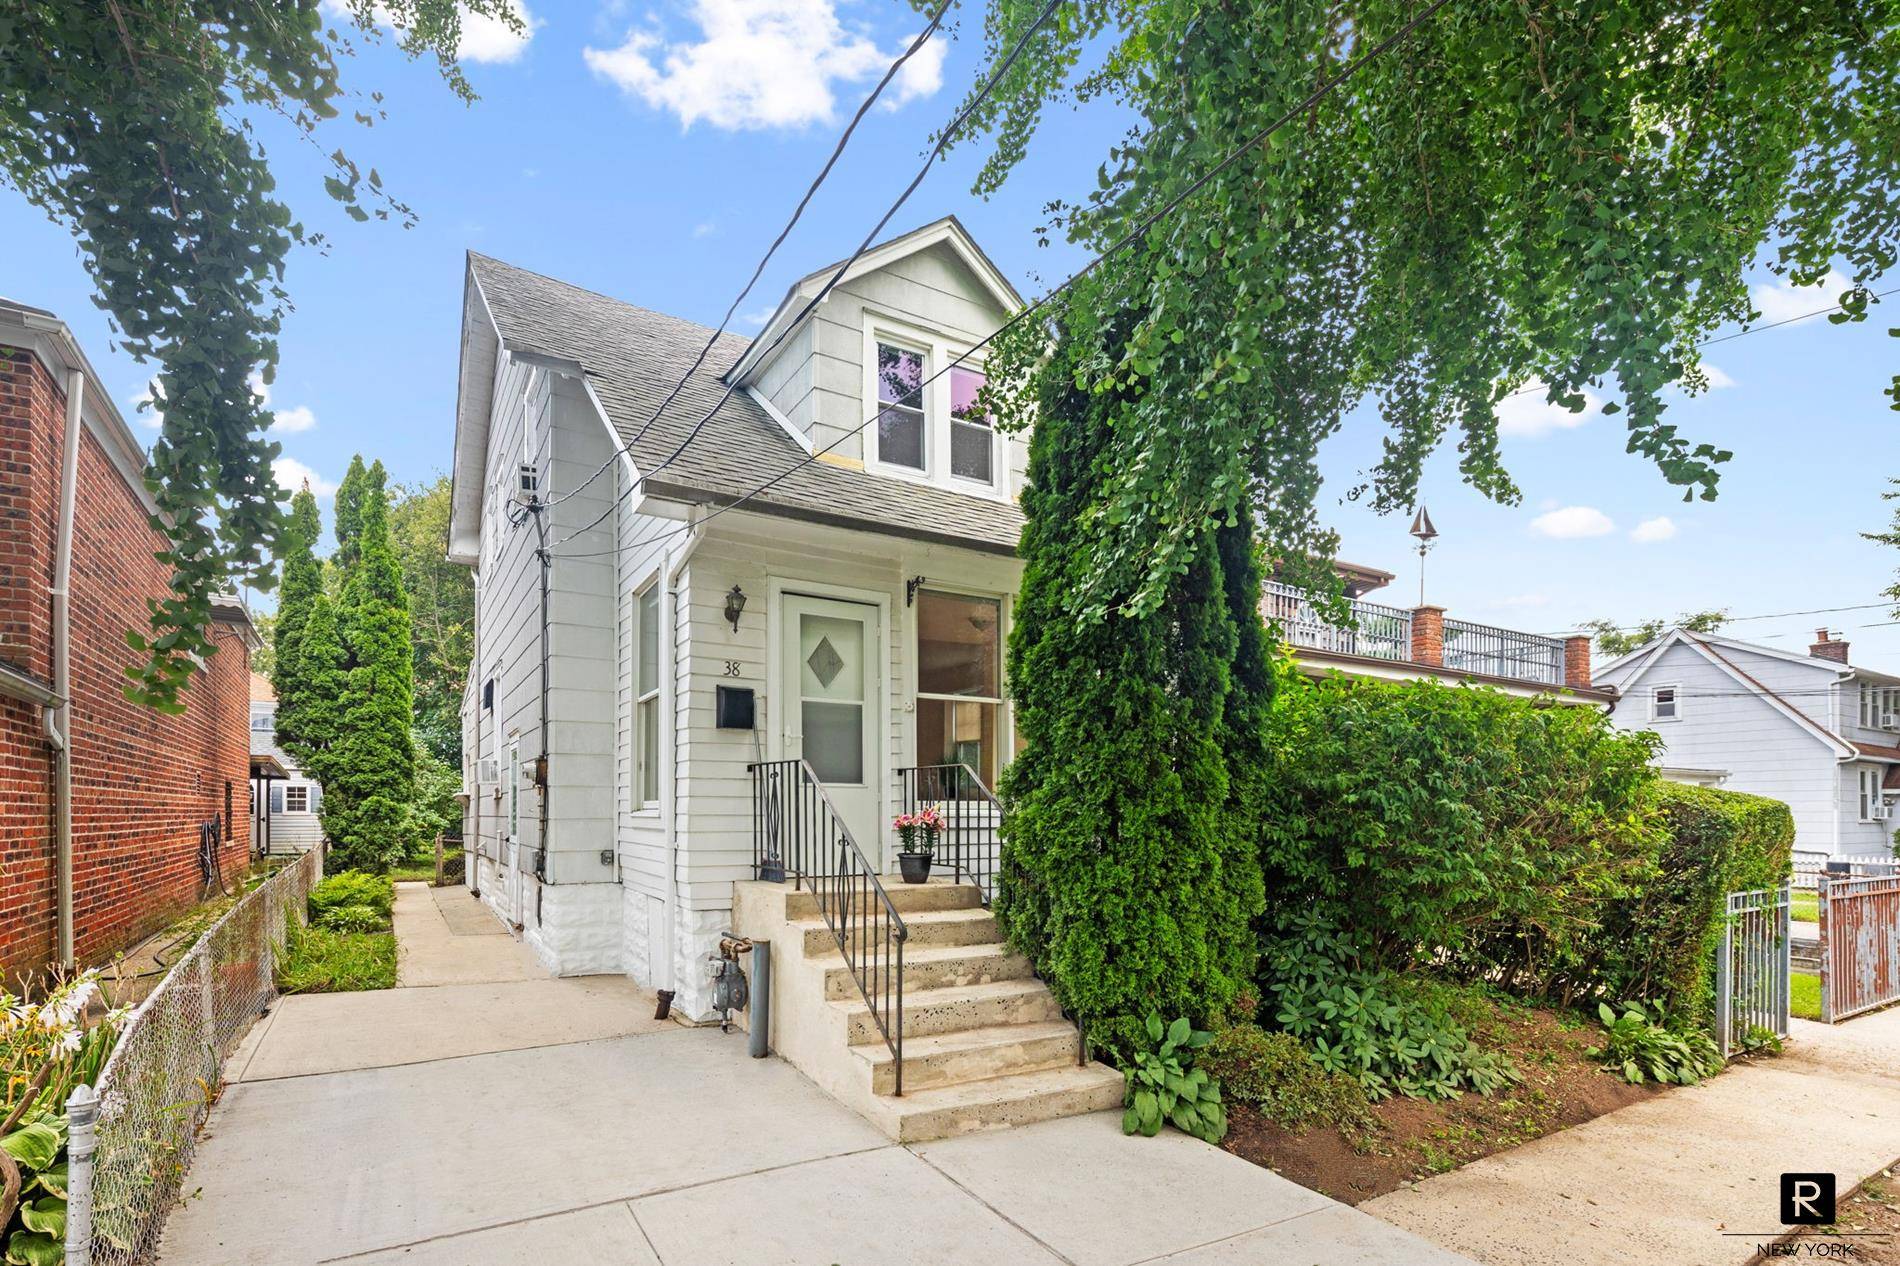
{"x":918,"y":834}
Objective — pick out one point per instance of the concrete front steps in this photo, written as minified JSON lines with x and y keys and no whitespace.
{"x":985,"y":1045}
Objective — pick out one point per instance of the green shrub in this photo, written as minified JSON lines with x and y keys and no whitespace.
{"x":316,"y":960}
{"x":1641,"y":1045}
{"x":1425,"y":818}
{"x":1660,"y":941}
{"x":1130,"y":868}
{"x":1276,"y":1073}
{"x":353,"y":888}
{"x":1391,"y":1034}
{"x":352,"y":919}
{"x":1164,"y":1086}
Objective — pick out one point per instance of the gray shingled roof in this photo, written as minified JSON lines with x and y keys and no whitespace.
{"x":632,"y":357}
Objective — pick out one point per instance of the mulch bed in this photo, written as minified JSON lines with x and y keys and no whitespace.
{"x":1413,"y":1139}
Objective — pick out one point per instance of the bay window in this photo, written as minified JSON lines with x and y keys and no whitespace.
{"x":959,"y":682}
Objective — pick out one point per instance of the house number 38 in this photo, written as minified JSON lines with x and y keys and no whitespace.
{"x":732,"y":668}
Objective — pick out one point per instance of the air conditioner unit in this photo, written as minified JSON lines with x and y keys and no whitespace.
{"x":1880,"y":809}
{"x":1890,"y":720}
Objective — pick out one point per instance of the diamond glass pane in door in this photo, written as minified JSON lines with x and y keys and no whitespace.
{"x":831,"y":696}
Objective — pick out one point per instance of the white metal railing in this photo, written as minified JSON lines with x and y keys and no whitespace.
{"x":133,"y":1134}
{"x":1376,"y":631}
{"x":1495,"y":652}
{"x":1751,"y":969}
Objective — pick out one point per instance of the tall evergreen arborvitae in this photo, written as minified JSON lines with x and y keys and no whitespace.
{"x":349,"y":513}
{"x":324,"y":671}
{"x":370,"y":788}
{"x":301,"y":584}
{"x":1129,"y":874}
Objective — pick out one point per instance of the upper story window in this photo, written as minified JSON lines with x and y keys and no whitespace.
{"x":1880,"y":707}
{"x":264,"y":722}
{"x":1663,"y":704}
{"x":929,"y":422}
{"x":901,"y":438}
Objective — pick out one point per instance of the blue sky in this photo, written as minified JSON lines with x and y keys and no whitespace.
{"x":652,"y":153}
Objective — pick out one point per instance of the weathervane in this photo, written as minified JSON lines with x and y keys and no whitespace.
{"x":1422,"y":529}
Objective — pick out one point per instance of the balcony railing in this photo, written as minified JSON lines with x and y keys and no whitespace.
{"x":1377,"y":632}
{"x":1494,"y":652}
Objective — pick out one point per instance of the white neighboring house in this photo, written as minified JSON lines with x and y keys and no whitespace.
{"x":859,"y":605}
{"x":1812,"y":730}
{"x":284,"y":814}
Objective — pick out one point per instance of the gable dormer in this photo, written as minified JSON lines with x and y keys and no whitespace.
{"x":884,"y":342}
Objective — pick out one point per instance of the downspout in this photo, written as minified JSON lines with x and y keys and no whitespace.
{"x":669,"y":746}
{"x":60,"y":734}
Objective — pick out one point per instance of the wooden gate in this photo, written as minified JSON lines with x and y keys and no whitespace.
{"x":1860,"y":943}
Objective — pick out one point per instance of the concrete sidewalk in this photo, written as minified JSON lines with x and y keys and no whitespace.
{"x":1689,"y":1177}
{"x":513,"y":1120}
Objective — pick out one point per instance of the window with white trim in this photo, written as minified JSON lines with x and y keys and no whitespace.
{"x":297,"y":799}
{"x":929,"y":423}
{"x":1664,"y":703}
{"x":1879,"y":707}
{"x":959,"y":681}
{"x":646,"y":695}
{"x":902,"y":433}
{"x":1873,"y":805}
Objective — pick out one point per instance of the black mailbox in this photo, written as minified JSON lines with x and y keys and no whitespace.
{"x":732,"y":708}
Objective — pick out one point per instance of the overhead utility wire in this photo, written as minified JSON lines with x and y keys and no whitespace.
{"x":1773,"y":615}
{"x":1306,"y":103}
{"x":837,"y":151}
{"x":1753,"y":329}
{"x":837,"y":275}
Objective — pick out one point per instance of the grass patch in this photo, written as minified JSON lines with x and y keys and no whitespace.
{"x":319,"y":961}
{"x":1804,"y":907}
{"x":422,"y":871}
{"x":1804,"y":995}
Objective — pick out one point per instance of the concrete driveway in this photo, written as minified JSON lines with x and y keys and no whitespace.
{"x":531,"y":1119}
{"x":1691,"y":1177}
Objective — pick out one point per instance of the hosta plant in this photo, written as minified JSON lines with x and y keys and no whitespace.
{"x":1164,"y":1087}
{"x":1641,"y":1045}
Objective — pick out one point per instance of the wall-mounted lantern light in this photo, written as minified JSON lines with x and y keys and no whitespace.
{"x":735,"y":603}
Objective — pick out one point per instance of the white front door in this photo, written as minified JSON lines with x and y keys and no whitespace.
{"x":832,"y":690}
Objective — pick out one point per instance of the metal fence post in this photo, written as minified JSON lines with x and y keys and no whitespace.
{"x":1725,"y":982}
{"x":1827,"y":966}
{"x":82,"y":1115}
{"x":208,"y":1002}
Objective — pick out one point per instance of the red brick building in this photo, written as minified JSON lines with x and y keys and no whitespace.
{"x":143,"y":785}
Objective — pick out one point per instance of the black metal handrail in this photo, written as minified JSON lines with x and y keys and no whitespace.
{"x":798,"y":833}
{"x":972,"y":819}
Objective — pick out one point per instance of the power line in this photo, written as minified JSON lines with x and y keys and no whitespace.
{"x":837,"y":151}
{"x":1737,"y":619}
{"x":1139,"y":230}
{"x":1753,"y":329}
{"x":936,"y":151}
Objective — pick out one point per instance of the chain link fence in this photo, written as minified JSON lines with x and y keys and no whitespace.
{"x":134,"y":1133}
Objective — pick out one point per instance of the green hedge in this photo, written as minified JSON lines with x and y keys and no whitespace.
{"x":1659,"y":944}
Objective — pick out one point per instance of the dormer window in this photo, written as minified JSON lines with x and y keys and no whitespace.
{"x":900,"y":395}
{"x":972,"y":437}
{"x":929,"y":423}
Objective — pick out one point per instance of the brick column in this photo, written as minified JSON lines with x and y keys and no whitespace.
{"x":1577,"y":661}
{"x":1428,"y":636}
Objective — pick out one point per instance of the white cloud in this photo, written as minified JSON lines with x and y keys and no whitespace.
{"x":1650,"y":531}
{"x":1779,"y":301}
{"x":292,"y":475}
{"x":760,"y":64}
{"x":484,"y":39}
{"x":1525,"y":412}
{"x":1573,"y":523}
{"x":144,"y":412}
{"x":291,"y":421}
{"x":705,"y":228}
{"x":757,"y":318}
{"x":1717,"y":379}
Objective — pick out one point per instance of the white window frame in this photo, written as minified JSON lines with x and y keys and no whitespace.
{"x":300,"y":790}
{"x":1872,"y":800}
{"x":940,"y":350}
{"x":1656,"y":703}
{"x":645,"y":762}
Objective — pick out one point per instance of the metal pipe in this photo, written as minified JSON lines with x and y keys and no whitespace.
{"x":759,"y":1016}
{"x":62,"y":667}
{"x":669,"y":755}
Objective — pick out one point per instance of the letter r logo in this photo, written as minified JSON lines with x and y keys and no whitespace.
{"x":1807,"y":1199}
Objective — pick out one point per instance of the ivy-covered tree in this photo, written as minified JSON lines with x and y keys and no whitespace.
{"x":1572,"y":194}
{"x":300,"y":585}
{"x":140,"y":125}
{"x":1130,"y":870}
{"x":370,"y":787}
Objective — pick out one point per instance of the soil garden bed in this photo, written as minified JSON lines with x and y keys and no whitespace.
{"x":1411,"y":1139}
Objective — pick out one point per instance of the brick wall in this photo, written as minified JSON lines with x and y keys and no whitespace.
{"x":142,"y":782}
